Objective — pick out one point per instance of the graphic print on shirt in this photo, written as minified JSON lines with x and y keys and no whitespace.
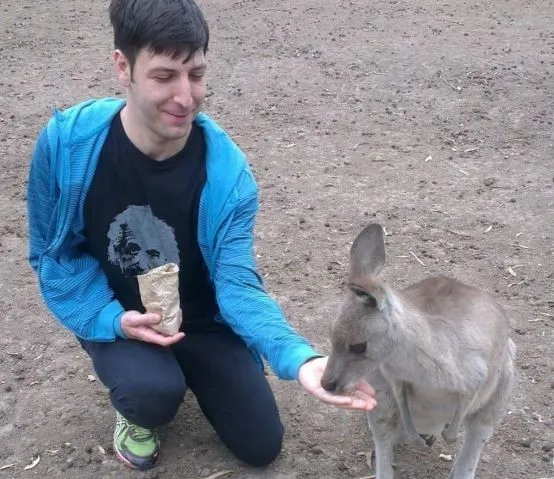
{"x":139,"y":241}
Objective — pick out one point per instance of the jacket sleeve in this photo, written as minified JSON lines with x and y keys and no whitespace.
{"x":39,"y":204}
{"x":243,"y":301}
{"x":72,"y":284}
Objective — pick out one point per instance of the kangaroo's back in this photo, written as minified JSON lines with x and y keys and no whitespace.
{"x":470,"y":314}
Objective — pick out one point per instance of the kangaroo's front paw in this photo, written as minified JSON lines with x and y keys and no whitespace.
{"x":419,"y":442}
{"x":449,"y":434}
{"x":429,"y":439}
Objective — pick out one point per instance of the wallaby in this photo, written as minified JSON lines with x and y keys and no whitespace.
{"x":437,"y":353}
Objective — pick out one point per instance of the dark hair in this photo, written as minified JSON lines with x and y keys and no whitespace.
{"x":173,"y":27}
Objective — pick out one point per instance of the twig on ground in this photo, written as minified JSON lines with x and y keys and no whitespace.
{"x":417,"y":259}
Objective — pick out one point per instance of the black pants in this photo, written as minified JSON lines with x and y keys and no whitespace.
{"x":147,"y":384}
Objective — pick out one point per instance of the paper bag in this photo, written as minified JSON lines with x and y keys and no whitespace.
{"x":159,"y":291}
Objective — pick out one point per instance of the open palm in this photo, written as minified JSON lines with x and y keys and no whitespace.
{"x":309,"y":376}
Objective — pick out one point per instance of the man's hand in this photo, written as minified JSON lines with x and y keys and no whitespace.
{"x":309,"y":376}
{"x":138,"y":326}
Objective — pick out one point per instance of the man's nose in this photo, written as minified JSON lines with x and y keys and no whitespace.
{"x":183,"y":95}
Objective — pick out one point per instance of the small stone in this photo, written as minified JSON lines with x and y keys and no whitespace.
{"x":525,"y":443}
{"x":316,"y":450}
{"x":512,"y":200}
{"x":341,"y":466}
{"x":8,"y":388}
{"x":490,"y":181}
{"x":548,"y":447}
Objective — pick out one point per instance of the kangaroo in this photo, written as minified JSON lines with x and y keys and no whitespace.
{"x":438,"y":354}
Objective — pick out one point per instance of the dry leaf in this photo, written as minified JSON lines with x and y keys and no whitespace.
{"x":368,"y":458}
{"x":91,"y":378}
{"x":511,"y":271}
{"x":445,"y":457}
{"x":33,"y":464}
{"x":7,"y":466}
{"x":218,"y":474}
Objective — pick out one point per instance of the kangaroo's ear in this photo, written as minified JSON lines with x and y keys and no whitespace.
{"x":367,"y":255}
{"x":373,"y":295}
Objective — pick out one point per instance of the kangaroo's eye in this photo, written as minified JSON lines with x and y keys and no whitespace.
{"x":357,"y":348}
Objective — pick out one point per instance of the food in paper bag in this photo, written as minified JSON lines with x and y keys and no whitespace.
{"x":159,"y":291}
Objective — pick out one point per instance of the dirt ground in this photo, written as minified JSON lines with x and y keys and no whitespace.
{"x":432,"y":118}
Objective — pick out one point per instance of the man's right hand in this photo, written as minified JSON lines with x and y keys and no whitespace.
{"x":138,"y":326}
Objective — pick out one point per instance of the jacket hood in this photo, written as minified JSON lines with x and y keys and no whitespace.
{"x":86,"y":119}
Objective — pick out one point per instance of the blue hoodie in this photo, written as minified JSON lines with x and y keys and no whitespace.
{"x":74,"y":286}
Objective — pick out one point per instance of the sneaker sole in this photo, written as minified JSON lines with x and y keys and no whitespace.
{"x":129,"y":464}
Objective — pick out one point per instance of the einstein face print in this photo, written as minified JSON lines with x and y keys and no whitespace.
{"x":139,"y":241}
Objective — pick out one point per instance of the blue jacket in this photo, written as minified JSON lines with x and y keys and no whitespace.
{"x":74,"y":286}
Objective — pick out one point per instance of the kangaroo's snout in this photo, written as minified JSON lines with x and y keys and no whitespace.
{"x":329,"y":384}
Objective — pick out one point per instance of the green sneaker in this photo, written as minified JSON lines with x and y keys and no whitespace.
{"x":136,"y":446}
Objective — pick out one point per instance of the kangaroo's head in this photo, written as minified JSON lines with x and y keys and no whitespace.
{"x":361,"y":335}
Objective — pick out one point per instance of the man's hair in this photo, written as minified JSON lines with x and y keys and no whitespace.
{"x":171,"y":27}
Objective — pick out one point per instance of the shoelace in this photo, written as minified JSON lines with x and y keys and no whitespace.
{"x":138,"y":433}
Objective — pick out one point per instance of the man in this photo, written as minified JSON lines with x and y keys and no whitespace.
{"x":117,"y":188}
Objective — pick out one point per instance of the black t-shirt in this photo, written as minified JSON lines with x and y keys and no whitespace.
{"x":141,"y":213}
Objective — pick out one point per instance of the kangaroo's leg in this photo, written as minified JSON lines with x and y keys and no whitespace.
{"x":383,"y":433}
{"x":400,"y":391}
{"x":450,"y":432}
{"x":475,"y":437}
{"x":383,"y":457}
{"x":480,"y":425}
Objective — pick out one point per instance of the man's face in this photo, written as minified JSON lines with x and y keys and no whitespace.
{"x":165,"y":94}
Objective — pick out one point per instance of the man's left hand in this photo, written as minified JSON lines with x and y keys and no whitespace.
{"x":309,"y":376}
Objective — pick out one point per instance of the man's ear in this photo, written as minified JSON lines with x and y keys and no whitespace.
{"x":122,"y":68}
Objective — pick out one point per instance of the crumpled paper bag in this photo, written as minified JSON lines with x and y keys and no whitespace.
{"x":159,"y":292}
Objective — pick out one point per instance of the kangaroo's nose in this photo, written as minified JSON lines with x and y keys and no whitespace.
{"x":329,"y":384}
